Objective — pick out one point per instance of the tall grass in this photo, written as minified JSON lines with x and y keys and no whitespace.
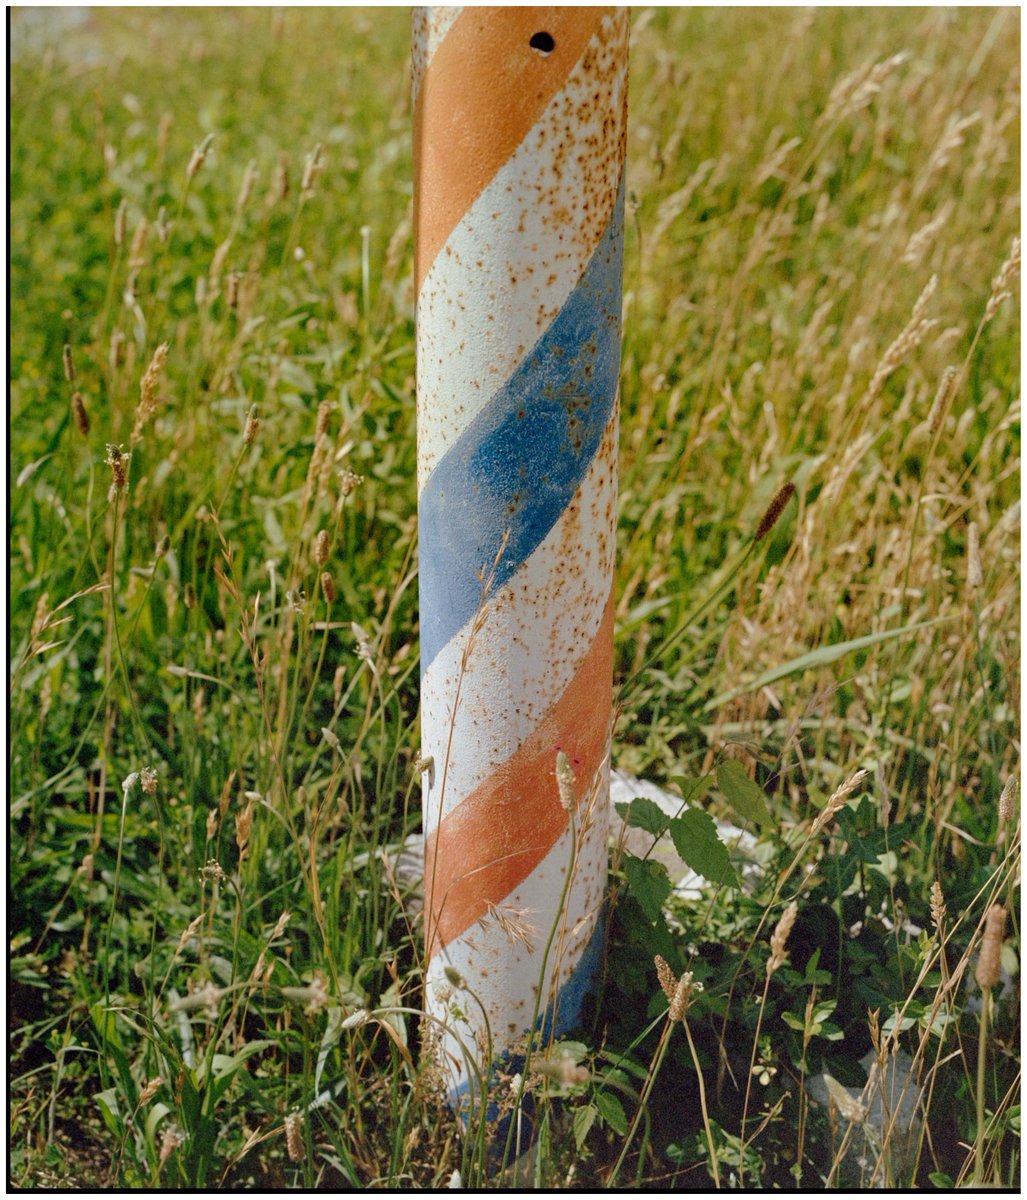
{"x":216,"y":954}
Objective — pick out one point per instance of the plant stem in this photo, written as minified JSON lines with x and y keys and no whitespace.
{"x":982,"y":1063}
{"x":643,"y":1099}
{"x":702,"y":1104}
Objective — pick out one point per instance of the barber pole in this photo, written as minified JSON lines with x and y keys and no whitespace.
{"x":519,"y":129}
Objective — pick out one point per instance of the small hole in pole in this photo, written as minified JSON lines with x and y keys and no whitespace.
{"x":543,"y":43}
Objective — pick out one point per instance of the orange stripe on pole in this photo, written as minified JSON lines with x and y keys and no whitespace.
{"x":502,"y":831}
{"x":485,"y":54}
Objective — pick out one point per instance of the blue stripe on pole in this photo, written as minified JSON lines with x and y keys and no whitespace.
{"x":520,"y":461}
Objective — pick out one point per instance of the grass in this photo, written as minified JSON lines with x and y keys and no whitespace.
{"x":214,"y":978}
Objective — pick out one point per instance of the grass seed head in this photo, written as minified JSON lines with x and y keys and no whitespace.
{"x":667,"y":979}
{"x":565,"y":780}
{"x":779,"y":938}
{"x":682,"y":997}
{"x":774,"y":511}
{"x":148,"y":398}
{"x":249,"y":179}
{"x":188,"y":934}
{"x":324,"y":412}
{"x":1002,"y":284}
{"x":294,"y":1137}
{"x":513,"y":923}
{"x":941,"y":400}
{"x":1009,"y":803}
{"x":244,"y":825}
{"x":137,"y":253}
{"x":199,"y":156}
{"x":118,"y":462}
{"x":69,"y":364}
{"x":907,"y":341}
{"x":349,"y":482}
{"x":837,"y":800}
{"x":321,"y":547}
{"x":311,"y":169}
{"x":937,"y":905}
{"x":280,"y":181}
{"x":878,"y":1043}
{"x":328,"y":587}
{"x":921,"y":240}
{"x":120,"y":219}
{"x":974,"y":574}
{"x":679,"y":992}
{"x":116,"y":353}
{"x":79,"y":414}
{"x":172,"y":1140}
{"x":989,"y":964}
{"x":163,"y":133}
{"x":252,"y":426}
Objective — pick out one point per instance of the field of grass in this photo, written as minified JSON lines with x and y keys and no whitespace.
{"x":215,"y":975}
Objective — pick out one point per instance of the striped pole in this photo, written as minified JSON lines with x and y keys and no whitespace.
{"x":519,"y":130}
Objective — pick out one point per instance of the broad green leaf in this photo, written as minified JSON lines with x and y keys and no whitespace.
{"x":695,"y":839}
{"x":895,"y":1022}
{"x":642,"y":813}
{"x":584,"y":1119}
{"x":108,"y":1102}
{"x":153,"y":1118}
{"x":649,"y":883}
{"x":692,"y":789}
{"x":329,"y":1040}
{"x":612,"y":1112}
{"x":793,"y":1022}
{"x":225,"y":1064}
{"x":744,"y":796}
{"x":817,"y":658}
{"x":103,"y":1020}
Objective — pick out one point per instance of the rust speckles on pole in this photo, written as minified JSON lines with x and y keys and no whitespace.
{"x":519,"y":131}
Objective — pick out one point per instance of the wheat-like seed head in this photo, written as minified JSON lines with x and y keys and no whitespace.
{"x":1009,"y":803}
{"x":974,"y":573}
{"x":199,"y":156}
{"x":779,"y":938}
{"x":937,"y":905}
{"x":311,"y":169}
{"x":941,"y":399}
{"x":837,"y":800}
{"x":1002,"y":284}
{"x":246,"y":188}
{"x":148,"y":398}
{"x":137,"y":252}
